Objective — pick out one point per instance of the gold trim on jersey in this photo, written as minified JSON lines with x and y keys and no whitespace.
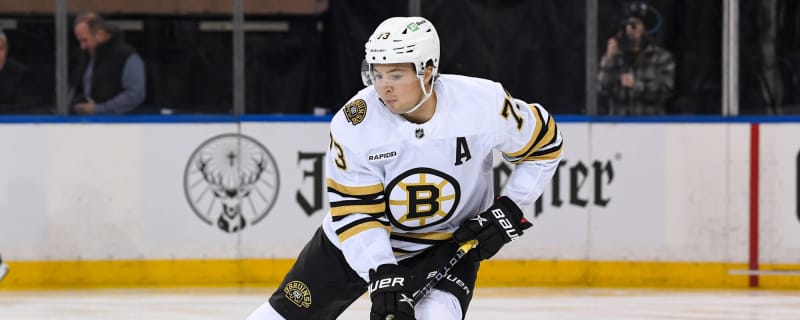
{"x":377,"y":215}
{"x":350,"y":230}
{"x":430,"y":236}
{"x":542,"y":131}
{"x":549,"y":136}
{"x":352,"y":191}
{"x":548,"y":154}
{"x":536,"y":131}
{"x":357,"y":208}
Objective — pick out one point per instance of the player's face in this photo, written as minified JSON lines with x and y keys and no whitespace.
{"x":397,"y":85}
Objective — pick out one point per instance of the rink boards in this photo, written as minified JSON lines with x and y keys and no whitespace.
{"x":138,"y":203}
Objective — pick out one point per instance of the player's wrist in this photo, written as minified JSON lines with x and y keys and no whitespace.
{"x":502,"y":223}
{"x":509,"y":206}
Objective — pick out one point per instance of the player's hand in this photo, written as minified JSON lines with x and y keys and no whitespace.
{"x":500,"y":224}
{"x":391,"y":291}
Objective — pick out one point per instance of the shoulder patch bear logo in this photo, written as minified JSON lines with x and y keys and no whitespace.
{"x":356,"y":111}
{"x":298,"y":293}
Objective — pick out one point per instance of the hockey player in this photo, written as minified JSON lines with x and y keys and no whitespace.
{"x":409,"y":174}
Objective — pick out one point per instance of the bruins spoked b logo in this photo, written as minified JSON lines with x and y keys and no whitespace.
{"x":422,"y":197}
{"x":231,"y":180}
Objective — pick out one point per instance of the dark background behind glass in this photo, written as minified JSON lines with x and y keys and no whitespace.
{"x":536,"y":49}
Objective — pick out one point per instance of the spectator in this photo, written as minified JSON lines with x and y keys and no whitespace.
{"x":111,"y":76}
{"x":636,"y":76}
{"x":14,"y":82}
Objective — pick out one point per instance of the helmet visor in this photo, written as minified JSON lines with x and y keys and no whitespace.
{"x":392,"y":75}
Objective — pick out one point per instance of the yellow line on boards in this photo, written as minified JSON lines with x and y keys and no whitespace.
{"x":269,"y":272}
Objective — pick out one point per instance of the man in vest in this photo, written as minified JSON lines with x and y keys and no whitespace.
{"x":112,"y":76}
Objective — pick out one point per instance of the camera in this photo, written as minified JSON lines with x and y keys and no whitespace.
{"x":649,"y":15}
{"x":631,"y":14}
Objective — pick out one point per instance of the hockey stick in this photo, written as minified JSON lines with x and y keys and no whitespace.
{"x":441,"y":273}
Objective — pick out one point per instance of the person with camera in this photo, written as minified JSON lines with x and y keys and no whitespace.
{"x":636,"y":76}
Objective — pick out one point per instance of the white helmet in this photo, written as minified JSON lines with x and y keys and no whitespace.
{"x":401,"y":40}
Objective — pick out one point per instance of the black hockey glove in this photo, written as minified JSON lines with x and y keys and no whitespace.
{"x":390,"y":288}
{"x":493,"y":228}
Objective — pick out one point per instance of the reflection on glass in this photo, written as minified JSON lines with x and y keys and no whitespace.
{"x":636,"y":75}
{"x":282,"y":74}
{"x":27,"y":64}
{"x":187,"y":64}
{"x":659,"y":57}
{"x":769,"y":57}
{"x":109,"y":76}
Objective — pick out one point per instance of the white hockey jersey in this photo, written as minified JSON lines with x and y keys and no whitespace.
{"x":396,"y":188}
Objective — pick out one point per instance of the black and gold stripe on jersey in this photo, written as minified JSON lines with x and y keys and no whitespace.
{"x":360,"y":192}
{"x":544,"y":143}
{"x":343,"y":208}
{"x":422,"y":238}
{"x":365,"y":201}
{"x":360,"y":225}
{"x":411,"y":243}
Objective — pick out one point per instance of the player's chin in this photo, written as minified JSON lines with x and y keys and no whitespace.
{"x":396,"y":109}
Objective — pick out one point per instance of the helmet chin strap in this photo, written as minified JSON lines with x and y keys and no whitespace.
{"x":425,"y":98}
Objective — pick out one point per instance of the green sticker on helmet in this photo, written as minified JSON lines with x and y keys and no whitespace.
{"x":412,"y":26}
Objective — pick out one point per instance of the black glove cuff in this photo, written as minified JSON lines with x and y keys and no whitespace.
{"x":509,"y":206}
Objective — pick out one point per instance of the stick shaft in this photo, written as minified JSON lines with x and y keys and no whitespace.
{"x":441,"y":272}
{"x":444,"y":270}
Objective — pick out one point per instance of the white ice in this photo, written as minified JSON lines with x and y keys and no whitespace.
{"x":489,"y":303}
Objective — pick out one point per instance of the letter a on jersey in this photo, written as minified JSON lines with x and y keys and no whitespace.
{"x":462,"y":151}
